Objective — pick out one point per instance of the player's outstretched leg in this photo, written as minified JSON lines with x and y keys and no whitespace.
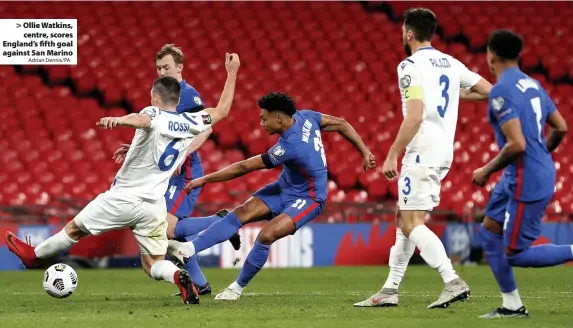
{"x":400,"y":255}
{"x":252,"y":210}
{"x":276,"y":229}
{"x":433,"y":252}
{"x":186,"y":229}
{"x":31,"y":257}
{"x":542,"y":256}
{"x":490,"y":234}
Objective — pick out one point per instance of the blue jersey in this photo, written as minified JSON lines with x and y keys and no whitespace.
{"x":300,"y":151}
{"x":516,"y":95}
{"x":189,"y":101}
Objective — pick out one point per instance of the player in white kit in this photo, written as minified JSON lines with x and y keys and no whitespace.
{"x":430,"y":83}
{"x":136,"y":197}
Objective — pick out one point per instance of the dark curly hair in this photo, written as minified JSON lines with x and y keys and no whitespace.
{"x":505,"y":44}
{"x":278,"y":101}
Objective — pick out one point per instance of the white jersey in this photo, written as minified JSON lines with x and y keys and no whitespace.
{"x":440,"y":77}
{"x":156,"y":152}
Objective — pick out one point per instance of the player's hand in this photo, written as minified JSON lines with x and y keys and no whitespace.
{"x":368,"y":161}
{"x":480,"y":177}
{"x":390,"y":168}
{"x":232,"y":63}
{"x":109,"y":122}
{"x":178,"y":169}
{"x":194,"y":184}
{"x":120,"y":153}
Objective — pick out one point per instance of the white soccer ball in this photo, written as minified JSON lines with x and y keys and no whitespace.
{"x":60,"y":280}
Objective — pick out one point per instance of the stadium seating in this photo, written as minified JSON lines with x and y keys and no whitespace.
{"x":333,"y":57}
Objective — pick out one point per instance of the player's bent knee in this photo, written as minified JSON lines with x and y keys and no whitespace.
{"x":278,"y":228}
{"x":73,"y":231}
{"x":266,"y":237}
{"x":252,"y":209}
{"x":411,"y":219}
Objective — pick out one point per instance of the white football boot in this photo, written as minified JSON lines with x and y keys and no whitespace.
{"x":455,"y":290}
{"x":229,"y":294}
{"x":386,"y":297}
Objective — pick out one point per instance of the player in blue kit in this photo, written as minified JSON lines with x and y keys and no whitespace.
{"x":519,"y":108}
{"x":289,"y":203}
{"x":180,"y":205}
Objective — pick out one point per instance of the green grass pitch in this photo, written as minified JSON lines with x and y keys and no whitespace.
{"x":318,"y":297}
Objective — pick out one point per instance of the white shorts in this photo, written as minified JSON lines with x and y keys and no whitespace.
{"x":114,"y":210}
{"x":419,"y":187}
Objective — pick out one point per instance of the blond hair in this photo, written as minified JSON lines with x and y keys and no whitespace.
{"x":170,"y":49}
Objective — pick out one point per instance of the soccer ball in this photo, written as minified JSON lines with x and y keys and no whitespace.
{"x":60,"y":280}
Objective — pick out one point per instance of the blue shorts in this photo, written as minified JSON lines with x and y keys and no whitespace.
{"x":521,"y":220}
{"x":301,"y":209}
{"x":179,"y":203}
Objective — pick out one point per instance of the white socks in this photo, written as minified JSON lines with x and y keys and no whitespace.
{"x":511,"y":301}
{"x":180,"y":250}
{"x":433,"y":252}
{"x":236,"y":287}
{"x":164,"y":270}
{"x":400,"y":255}
{"x":54,"y":245}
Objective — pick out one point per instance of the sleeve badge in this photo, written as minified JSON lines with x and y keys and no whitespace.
{"x":405,"y":81}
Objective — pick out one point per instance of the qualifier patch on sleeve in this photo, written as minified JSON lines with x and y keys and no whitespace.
{"x":151,"y":111}
{"x":279,"y":151}
{"x":206,"y":119}
{"x":405,"y":81}
{"x":497,"y":103}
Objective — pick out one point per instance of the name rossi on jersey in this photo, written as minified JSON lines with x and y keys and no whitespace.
{"x":178,"y":127}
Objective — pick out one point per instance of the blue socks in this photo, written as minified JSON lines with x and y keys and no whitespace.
{"x":255,"y":261}
{"x":494,"y":250}
{"x":542,"y":256}
{"x":192,"y":266}
{"x":190,"y":226}
{"x":217,"y":233}
{"x":195,"y":272}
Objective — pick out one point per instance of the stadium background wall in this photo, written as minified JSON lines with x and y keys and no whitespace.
{"x":313,"y":245}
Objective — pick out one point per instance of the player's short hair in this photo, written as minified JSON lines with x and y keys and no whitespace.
{"x":278,"y":101}
{"x":422,"y":22}
{"x":168,"y":89}
{"x":170,"y":49}
{"x":505,"y":44}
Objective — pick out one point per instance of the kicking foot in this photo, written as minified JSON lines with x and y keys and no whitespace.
{"x":229,"y":295}
{"x":235,"y":240}
{"x":455,"y":290}
{"x":506,"y":313}
{"x":385,"y":298}
{"x":186,"y":287}
{"x":21,"y":249}
{"x":201,"y":290}
{"x":180,"y":252}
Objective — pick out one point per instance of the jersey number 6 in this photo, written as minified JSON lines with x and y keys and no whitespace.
{"x":446,"y":82}
{"x":169,"y":151}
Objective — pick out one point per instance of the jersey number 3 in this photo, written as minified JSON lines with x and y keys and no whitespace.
{"x":446,"y":85}
{"x":169,"y":151}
